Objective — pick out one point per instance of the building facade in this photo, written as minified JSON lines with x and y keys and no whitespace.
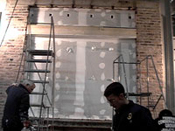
{"x":89,"y":36}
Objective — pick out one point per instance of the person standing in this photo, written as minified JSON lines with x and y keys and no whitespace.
{"x":128,"y":116}
{"x":165,"y":121}
{"x":15,"y":115}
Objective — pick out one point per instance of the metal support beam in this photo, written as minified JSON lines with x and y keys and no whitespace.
{"x":168,"y":46}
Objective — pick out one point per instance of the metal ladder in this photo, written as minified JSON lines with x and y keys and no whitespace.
{"x":120,"y":61}
{"x":44,"y":58}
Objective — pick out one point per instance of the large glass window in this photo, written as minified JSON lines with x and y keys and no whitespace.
{"x":83,"y":69}
{"x":83,"y":62}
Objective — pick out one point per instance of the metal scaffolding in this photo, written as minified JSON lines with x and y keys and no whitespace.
{"x":148,"y":61}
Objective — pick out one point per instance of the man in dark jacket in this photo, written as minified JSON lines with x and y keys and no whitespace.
{"x":15,"y":115}
{"x":128,"y":115}
{"x":165,"y":121}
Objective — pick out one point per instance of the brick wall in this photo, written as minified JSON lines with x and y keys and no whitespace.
{"x":148,"y":24}
{"x":11,"y":49}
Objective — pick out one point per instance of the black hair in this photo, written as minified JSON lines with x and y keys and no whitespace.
{"x":114,"y":88}
{"x":165,"y":112}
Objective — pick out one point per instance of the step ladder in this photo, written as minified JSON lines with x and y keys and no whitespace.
{"x":39,"y":63}
{"x":120,"y":64}
{"x":119,"y":61}
{"x":148,"y":60}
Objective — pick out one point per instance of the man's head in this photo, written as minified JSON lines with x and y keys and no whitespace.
{"x":29,"y":85}
{"x":165,"y":112}
{"x":115,"y":94}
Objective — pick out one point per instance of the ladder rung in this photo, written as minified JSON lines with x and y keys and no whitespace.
{"x":37,"y":23}
{"x":39,"y":81}
{"x":139,"y":94}
{"x":41,"y":52}
{"x":39,"y":60}
{"x":38,"y":93}
{"x":37,"y":105}
{"x":151,"y":106}
{"x":79,"y":126}
{"x":41,"y":126}
{"x":37,"y":71}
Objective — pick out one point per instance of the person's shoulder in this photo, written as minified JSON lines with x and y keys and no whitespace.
{"x":135,"y":105}
{"x":139,"y":107}
{"x":11,"y":87}
{"x":21,"y":89}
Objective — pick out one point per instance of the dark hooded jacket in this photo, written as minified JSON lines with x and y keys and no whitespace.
{"x":16,"y":107}
{"x":133,"y":117}
{"x":165,"y":121}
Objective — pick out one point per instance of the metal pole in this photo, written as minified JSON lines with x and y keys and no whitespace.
{"x":147,"y":68}
{"x":53,"y":74}
{"x":168,"y":46}
{"x":124,"y":71}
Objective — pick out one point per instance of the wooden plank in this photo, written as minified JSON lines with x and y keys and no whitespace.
{"x":84,"y":31}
